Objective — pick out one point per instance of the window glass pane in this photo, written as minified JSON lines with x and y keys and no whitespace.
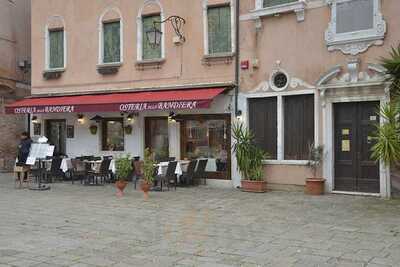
{"x":157,"y":138}
{"x":269,"y":3}
{"x":56,"y":44}
{"x":299,"y":126}
{"x":150,"y":52}
{"x":207,"y":138}
{"x":113,"y":135}
{"x":111,"y":35}
{"x":354,"y":16}
{"x":263,"y":124}
{"x":219,"y":30}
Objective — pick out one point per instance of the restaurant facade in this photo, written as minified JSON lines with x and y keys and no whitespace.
{"x":100,"y":86}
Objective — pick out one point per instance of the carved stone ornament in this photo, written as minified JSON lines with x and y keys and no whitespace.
{"x":277,"y":85}
{"x":355,"y":42}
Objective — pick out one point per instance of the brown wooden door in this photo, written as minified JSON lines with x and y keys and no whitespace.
{"x":354,"y":169}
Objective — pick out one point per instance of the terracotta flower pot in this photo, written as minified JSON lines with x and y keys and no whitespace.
{"x":120,"y":185}
{"x":254,"y":186}
{"x":315,"y":186}
{"x":145,"y":187}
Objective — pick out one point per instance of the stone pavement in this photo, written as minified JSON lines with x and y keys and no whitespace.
{"x":73,"y":225}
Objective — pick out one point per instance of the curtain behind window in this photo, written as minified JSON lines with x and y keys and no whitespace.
{"x":111,"y":35}
{"x":56,"y":38}
{"x":150,"y":52}
{"x":219,"y":30}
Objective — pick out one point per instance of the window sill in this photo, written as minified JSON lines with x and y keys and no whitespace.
{"x":286,"y":162}
{"x":150,"y":63}
{"x":226,"y":58}
{"x":108,"y":68}
{"x":298,"y":7}
{"x":51,"y":74}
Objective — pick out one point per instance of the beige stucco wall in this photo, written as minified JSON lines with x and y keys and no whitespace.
{"x":183,"y":64}
{"x":302,"y":52}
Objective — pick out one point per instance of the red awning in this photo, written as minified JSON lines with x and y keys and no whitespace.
{"x":118,"y":102}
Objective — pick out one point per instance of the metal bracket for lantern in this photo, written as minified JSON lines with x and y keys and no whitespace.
{"x":154,"y":35}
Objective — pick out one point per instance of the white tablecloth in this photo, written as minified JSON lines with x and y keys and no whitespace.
{"x":211,"y":164}
{"x":162,"y":168}
{"x":66,"y":164}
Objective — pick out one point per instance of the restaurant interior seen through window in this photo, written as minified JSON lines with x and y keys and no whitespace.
{"x":207,"y":137}
{"x":113,"y":134}
{"x":157,"y":137}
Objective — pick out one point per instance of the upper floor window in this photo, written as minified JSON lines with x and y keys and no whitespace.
{"x":112,"y":42}
{"x":150,"y":52}
{"x":270,"y":3}
{"x":56,"y":49}
{"x":219,"y":29}
{"x":355,"y":25}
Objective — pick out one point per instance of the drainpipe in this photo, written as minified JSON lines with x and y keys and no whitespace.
{"x":237,"y":56}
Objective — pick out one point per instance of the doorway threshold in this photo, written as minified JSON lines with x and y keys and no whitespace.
{"x":356,"y":193}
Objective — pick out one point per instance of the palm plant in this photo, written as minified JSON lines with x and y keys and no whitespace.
{"x":249,"y":157}
{"x":387,"y":135}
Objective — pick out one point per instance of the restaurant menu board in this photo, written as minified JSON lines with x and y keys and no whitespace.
{"x":39,"y":151}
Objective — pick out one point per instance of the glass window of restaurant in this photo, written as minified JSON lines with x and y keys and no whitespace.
{"x":156,"y":137}
{"x":113,"y":134}
{"x":207,"y":137}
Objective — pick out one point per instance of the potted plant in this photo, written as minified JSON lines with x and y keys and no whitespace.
{"x":124,"y":168}
{"x":249,"y":159}
{"x":315,"y":185}
{"x":148,"y":173}
{"x":93,"y":129}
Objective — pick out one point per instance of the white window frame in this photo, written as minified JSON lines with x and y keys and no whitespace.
{"x":281,"y":123}
{"x":101,"y":37}
{"x":298,"y":7}
{"x":358,"y":41}
{"x":232,"y":4}
{"x":141,"y":34}
{"x":47,"y":45}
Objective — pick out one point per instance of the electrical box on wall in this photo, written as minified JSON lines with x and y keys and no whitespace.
{"x":244,"y":64}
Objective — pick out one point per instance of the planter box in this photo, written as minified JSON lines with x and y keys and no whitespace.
{"x":254,"y":186}
{"x":315,"y":186}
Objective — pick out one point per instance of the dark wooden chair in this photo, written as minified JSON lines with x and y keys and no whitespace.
{"x":55,"y":171}
{"x":188,"y":176}
{"x":200,"y":173}
{"x":169,"y":178}
{"x":102,"y":174}
{"x":137,"y":171}
{"x":79,"y":170}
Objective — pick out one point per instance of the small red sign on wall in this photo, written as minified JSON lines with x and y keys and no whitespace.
{"x":244,"y":64}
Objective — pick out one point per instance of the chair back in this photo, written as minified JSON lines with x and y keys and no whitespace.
{"x":191,"y":168}
{"x":201,"y":168}
{"x":105,"y":165}
{"x":171,"y":169}
{"x":107,"y":157}
{"x":78,"y":165}
{"x":55,"y":164}
{"x":171,"y":159}
{"x":138,"y":167}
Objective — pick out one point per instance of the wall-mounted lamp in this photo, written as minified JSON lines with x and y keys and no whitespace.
{"x":154,"y":35}
{"x":35,"y":119}
{"x":97,"y":118}
{"x":131,"y":117}
{"x":172,"y":117}
{"x":81,"y":118}
{"x":239,"y":115}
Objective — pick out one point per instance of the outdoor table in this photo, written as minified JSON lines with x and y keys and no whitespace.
{"x":66,"y":164}
{"x":162,"y":169}
{"x":95,"y":165}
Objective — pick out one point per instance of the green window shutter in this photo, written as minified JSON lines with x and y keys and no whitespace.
{"x":56,"y":55}
{"x":270,"y":3}
{"x":219,"y":30}
{"x":111,"y":46}
{"x":148,"y":51}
